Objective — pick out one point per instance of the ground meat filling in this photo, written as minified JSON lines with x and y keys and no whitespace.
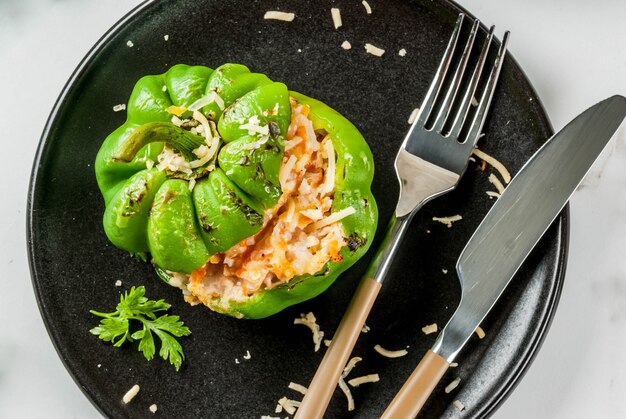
{"x":297,"y":237}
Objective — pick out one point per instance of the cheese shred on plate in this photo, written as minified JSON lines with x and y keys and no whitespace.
{"x":454,"y":384}
{"x":130,"y":394}
{"x":390,"y":354}
{"x":275,"y":15}
{"x":457,"y":403}
{"x":371,"y":378}
{"x":371,"y":49}
{"x":300,"y":234}
{"x":310,"y":321}
{"x":431,"y":328}
{"x":494,"y":163}
{"x":448,"y":220}
{"x":367,"y":6}
{"x":336,"y":15}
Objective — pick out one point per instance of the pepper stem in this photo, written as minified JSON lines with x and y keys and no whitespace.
{"x":153,"y":132}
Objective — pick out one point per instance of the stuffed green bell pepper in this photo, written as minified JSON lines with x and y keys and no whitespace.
{"x":247,"y":196}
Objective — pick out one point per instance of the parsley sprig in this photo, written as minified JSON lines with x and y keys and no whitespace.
{"x":133,"y":305}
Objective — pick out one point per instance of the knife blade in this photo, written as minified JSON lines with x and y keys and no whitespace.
{"x":506,"y":236}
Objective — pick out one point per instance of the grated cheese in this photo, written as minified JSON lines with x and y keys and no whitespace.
{"x":298,"y":387}
{"x":350,"y":365}
{"x":365,"y":329}
{"x":247,"y":355}
{"x":431,"y":328}
{"x":368,"y":9}
{"x":371,"y":49}
{"x":346,"y":45}
{"x":253,"y":126}
{"x":454,"y":365}
{"x":176,"y":121}
{"x":153,"y":408}
{"x":130,"y":44}
{"x":310,"y":321}
{"x":290,"y":406}
{"x":346,"y":390}
{"x":448,"y":220}
{"x":494,"y":163}
{"x":276,"y":15}
{"x":457,"y":403}
{"x":166,"y":37}
{"x":493,"y":194}
{"x":496,"y":182}
{"x":332,"y":218}
{"x":336,"y":15}
{"x":120,"y":107}
{"x":402,"y":52}
{"x":329,"y":178}
{"x":413,"y":115}
{"x":371,"y":378}
{"x":130,"y":394}
{"x":118,"y":283}
{"x":452,"y":385}
{"x":390,"y":354}
{"x":206,"y":100}
{"x":480,"y":332}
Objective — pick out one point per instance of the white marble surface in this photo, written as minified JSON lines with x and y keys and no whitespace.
{"x":573,"y":52}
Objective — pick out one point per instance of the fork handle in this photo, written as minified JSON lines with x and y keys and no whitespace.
{"x":416,"y":390}
{"x":324,"y":382}
{"x":322,"y":387}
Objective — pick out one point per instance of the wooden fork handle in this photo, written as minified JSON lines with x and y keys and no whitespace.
{"x":416,"y":390}
{"x":324,"y":382}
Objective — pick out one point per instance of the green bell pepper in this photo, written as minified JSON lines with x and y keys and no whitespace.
{"x":167,"y":196}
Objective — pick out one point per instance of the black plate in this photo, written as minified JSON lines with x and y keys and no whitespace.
{"x":74,"y":268}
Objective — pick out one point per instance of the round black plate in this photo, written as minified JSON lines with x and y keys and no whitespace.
{"x":74,"y":268}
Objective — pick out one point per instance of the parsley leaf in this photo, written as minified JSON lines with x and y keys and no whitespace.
{"x":134,"y":305}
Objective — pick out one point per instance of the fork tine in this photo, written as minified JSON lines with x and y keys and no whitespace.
{"x":446,"y":106}
{"x":435,"y":85}
{"x":485,"y":101}
{"x":461,"y":115}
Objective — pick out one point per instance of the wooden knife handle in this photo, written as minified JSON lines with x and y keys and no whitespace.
{"x":324,"y":382}
{"x":416,"y":390}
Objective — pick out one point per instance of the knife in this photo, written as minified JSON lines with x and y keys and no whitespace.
{"x":505,"y":237}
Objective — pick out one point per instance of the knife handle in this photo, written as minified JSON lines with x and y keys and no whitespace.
{"x":324,"y":382}
{"x":416,"y":390}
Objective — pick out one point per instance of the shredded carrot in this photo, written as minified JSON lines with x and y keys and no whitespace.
{"x":301,"y":132}
{"x":305,"y":110}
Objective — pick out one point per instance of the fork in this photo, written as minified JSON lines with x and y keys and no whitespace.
{"x":430,"y":162}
